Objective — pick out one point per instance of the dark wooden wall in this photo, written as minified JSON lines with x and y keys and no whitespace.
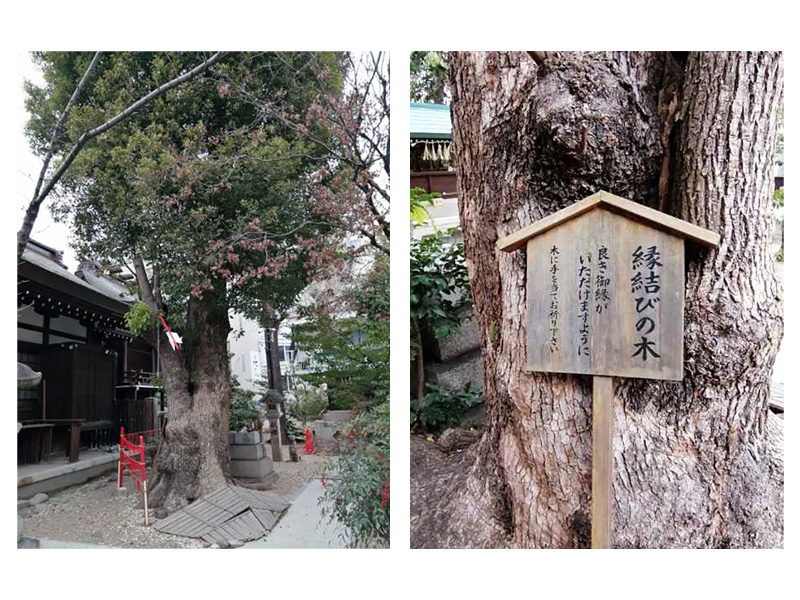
{"x":80,"y":383}
{"x":29,"y":400}
{"x":436,"y":181}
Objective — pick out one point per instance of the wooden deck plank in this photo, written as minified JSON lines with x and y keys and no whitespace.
{"x":171,"y":519}
{"x":238,"y":531}
{"x":175,"y":522}
{"x":226,"y":514}
{"x":196,"y":529}
{"x":240,"y":527}
{"x":264,"y":500}
{"x":252,"y":526}
{"x":267,"y":518}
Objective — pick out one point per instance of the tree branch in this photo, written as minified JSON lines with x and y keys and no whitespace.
{"x":60,"y":122}
{"x":145,"y":289}
{"x":33,"y":208}
{"x":374,"y":241}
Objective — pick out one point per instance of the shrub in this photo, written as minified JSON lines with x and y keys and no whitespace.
{"x":307,"y":402}
{"x":357,"y":494}
{"x":244,"y":413}
{"x":443,"y":408}
{"x":138,"y":319}
{"x":293,"y":431}
{"x":440,"y":293}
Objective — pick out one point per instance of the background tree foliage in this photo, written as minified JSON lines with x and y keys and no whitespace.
{"x":430,"y":77}
{"x":350,"y":341}
{"x":244,"y":412}
{"x":307,"y":402}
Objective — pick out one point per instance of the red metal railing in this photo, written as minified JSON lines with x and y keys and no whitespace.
{"x":150,"y":437}
{"x":132,"y":459}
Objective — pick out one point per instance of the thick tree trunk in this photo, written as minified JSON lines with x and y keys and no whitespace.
{"x":697,"y":463}
{"x":194,"y":458}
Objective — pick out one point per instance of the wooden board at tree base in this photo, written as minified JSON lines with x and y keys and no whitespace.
{"x":605,"y":283}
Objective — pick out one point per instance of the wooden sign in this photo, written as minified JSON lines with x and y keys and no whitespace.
{"x":605,"y":289}
{"x":605,"y":298}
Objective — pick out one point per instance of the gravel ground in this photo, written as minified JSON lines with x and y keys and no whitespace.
{"x":97,"y":513}
{"x":292,"y":477}
{"x":432,"y":475}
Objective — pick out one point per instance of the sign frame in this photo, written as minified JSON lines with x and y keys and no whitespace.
{"x":628,"y":221}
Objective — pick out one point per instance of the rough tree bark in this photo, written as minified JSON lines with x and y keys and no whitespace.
{"x":698,"y":463}
{"x":193,"y":458}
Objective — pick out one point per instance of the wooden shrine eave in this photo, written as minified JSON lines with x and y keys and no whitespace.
{"x":64,"y":286}
{"x":602,"y":199}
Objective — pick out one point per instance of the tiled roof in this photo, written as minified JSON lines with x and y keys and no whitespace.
{"x":430,"y":121}
{"x":99,"y":284}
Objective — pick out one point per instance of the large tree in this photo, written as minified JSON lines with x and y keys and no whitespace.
{"x":697,"y":463}
{"x":210,"y":205}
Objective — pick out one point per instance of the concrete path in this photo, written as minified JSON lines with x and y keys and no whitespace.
{"x":303,"y":525}
{"x":44,"y":544}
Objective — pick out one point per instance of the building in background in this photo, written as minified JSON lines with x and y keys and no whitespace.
{"x":431,"y":139}
{"x":246,"y":349}
{"x":431,"y":170}
{"x":247,"y":346}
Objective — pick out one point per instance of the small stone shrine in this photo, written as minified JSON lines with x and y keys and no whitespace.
{"x":250,"y":458}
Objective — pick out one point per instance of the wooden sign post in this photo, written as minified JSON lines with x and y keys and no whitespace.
{"x":605,"y":298}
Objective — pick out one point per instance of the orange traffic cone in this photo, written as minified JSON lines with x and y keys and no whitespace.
{"x":309,"y":442}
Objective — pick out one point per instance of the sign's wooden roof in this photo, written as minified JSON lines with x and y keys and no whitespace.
{"x":619,"y":205}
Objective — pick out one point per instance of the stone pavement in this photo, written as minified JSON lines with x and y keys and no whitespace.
{"x":42,"y":543}
{"x":303,"y":525}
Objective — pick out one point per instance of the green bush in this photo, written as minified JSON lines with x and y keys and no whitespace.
{"x":244,"y":412}
{"x":357,"y":493}
{"x":138,"y":319}
{"x":443,"y":408}
{"x":777,"y":199}
{"x":307,"y":402}
{"x":440,"y":293}
{"x":420,"y":199}
{"x":293,"y":431}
